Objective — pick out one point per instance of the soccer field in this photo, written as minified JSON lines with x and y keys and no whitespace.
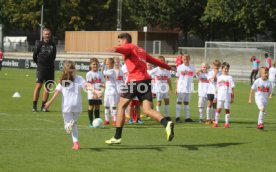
{"x":37,"y":141}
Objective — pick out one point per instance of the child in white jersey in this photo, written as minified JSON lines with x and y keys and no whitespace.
{"x":96,"y":78}
{"x":272,"y":75}
{"x":120,"y":77}
{"x":263,"y":91}
{"x":203,"y":83}
{"x":185,"y":74}
{"x":225,"y":94}
{"x":110,"y":94}
{"x":70,"y":86}
{"x":211,"y":91}
{"x":163,"y":86}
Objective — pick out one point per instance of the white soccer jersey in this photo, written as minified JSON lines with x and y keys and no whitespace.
{"x":71,"y":95}
{"x":120,"y":79}
{"x":96,"y":79}
{"x":185,"y":76}
{"x":203,"y":83}
{"x":272,"y":74}
{"x":211,"y":89}
{"x":262,"y":89}
{"x":161,"y":77}
{"x":110,"y":82}
{"x":225,"y":84}
{"x":125,"y":71}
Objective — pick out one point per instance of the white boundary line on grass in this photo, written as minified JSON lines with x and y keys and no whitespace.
{"x":45,"y":120}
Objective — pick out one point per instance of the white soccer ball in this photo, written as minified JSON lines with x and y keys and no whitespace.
{"x":98,"y":123}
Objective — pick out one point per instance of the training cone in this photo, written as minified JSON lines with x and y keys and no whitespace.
{"x":16,"y":95}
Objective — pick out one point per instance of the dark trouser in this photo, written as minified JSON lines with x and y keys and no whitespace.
{"x":253,"y":75}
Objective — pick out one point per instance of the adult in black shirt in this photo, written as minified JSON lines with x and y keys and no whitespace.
{"x":44,"y":56}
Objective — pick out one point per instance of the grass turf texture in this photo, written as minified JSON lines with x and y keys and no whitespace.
{"x":37,"y":141}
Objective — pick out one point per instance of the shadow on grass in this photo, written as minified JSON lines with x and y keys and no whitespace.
{"x":160,"y":148}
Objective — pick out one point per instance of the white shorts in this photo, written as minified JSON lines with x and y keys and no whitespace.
{"x":202,"y":101}
{"x":161,"y":96}
{"x":110,"y":100}
{"x":184,"y":97}
{"x":226,"y":104}
{"x":68,"y":116}
{"x":261,"y":104}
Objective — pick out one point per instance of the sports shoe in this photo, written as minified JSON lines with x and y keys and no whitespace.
{"x":114,"y":123}
{"x":34,"y":110}
{"x":260,"y":126}
{"x":170,"y":131}
{"x":168,"y":118}
{"x":178,"y":120}
{"x":70,"y":126}
{"x":139,"y":121}
{"x":90,"y":126}
{"x":44,"y":110}
{"x":201,"y":121}
{"x":113,"y":141}
{"x":106,"y":123}
{"x":215,"y":125}
{"x":208,"y":121}
{"x":130,"y":121}
{"x":76,"y":146}
{"x":226,"y":125}
{"x":188,"y":120}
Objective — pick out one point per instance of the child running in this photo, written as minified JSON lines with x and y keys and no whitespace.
{"x":96,"y":78}
{"x":202,"y":75}
{"x":163,"y":86}
{"x":225,"y":94}
{"x":70,"y":86}
{"x":138,"y":84}
{"x":263,"y":91}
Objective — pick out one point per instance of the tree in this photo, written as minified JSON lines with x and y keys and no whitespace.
{"x":183,"y":14}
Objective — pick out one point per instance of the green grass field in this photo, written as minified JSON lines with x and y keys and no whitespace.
{"x":37,"y":141}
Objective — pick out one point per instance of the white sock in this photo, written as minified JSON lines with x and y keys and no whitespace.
{"x":213,"y":113}
{"x":158,"y":108}
{"x":166,"y":110}
{"x":217,"y":117}
{"x":178,"y":106}
{"x":114,"y":114}
{"x":208,"y":113}
{"x":106,"y":114}
{"x":75,"y":134}
{"x":227,"y":116}
{"x":261,"y":118}
{"x":187,"y":111}
{"x":201,"y":113}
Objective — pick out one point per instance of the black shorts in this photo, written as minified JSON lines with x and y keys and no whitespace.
{"x":45,"y":75}
{"x":95,"y":102}
{"x":210,"y":97}
{"x":140,"y":89}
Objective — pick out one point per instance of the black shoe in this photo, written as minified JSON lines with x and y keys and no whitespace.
{"x":168,"y":118}
{"x":178,"y":120}
{"x":189,"y":120}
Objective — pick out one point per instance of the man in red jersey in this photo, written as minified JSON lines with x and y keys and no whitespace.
{"x":138,"y":84}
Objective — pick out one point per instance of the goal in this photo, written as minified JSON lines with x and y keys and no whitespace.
{"x":238,"y":54}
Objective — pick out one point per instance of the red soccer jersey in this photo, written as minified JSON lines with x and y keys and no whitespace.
{"x":135,"y":59}
{"x":1,"y":55}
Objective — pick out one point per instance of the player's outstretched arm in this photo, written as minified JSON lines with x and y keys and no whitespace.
{"x":157,"y":62}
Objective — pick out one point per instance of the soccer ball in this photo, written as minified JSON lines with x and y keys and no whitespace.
{"x":98,"y":123}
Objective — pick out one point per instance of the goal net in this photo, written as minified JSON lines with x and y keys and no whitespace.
{"x":238,"y":55}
